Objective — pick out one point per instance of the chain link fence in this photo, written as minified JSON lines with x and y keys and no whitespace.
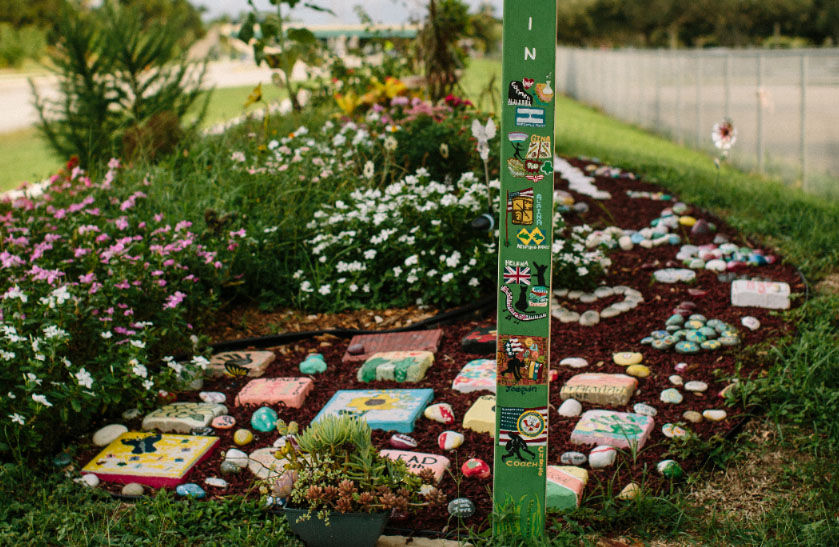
{"x":784,"y":103}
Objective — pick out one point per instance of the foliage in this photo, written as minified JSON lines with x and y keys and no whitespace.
{"x":96,"y":290}
{"x":124,"y":86}
{"x":442,"y":56}
{"x":336,"y":467}
{"x":575,"y":267}
{"x":279,"y":47}
{"x":19,"y":44}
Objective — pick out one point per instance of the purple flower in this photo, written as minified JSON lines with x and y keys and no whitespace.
{"x":173,"y":300}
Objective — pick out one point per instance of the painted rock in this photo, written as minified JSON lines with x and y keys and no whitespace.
{"x":236,"y":457}
{"x":190,"y":490}
{"x":202,"y":431}
{"x":751,"y":323}
{"x":264,"y":419}
{"x":674,"y":275}
{"x":692,"y":416}
{"x":602,"y":456}
{"x":313,"y":364}
{"x":670,"y":469}
{"x":225,"y":421}
{"x":696,"y":385}
{"x":630,"y":492}
{"x":242,"y":437}
{"x":672,"y":430}
{"x":671,"y":396}
{"x":62,"y":460}
{"x":228,"y":467}
{"x":133,"y":489}
{"x":675,"y":379}
{"x":564,"y":487}
{"x":449,"y":440}
{"x":627,"y":358}
{"x":644,"y":409}
{"x":108,"y":434}
{"x":401,"y":441}
{"x":639,"y":371}
{"x":572,"y":458}
{"x":216,"y":482}
{"x":481,"y":415}
{"x":214,"y":397}
{"x":686,"y":347}
{"x":570,"y":408}
{"x":714,"y":415}
{"x":355,"y":349}
{"x":589,"y":318}
{"x":600,"y":389}
{"x":553,"y":375}
{"x":574,"y":362}
{"x":440,"y":412}
{"x":475,"y":468}
{"x":461,"y":508}
{"x":476,"y":375}
{"x":283,"y":485}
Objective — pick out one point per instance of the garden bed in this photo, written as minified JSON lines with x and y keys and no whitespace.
{"x":596,"y":344}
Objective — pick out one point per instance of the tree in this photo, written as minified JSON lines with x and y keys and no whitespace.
{"x":442,"y":57}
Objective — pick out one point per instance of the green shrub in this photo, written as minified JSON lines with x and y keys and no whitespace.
{"x":19,"y":44}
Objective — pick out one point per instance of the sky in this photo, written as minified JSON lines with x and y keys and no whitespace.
{"x":382,"y":11}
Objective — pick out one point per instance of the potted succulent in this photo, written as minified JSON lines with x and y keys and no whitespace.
{"x":340,"y":491}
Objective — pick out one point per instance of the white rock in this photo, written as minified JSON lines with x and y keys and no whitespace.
{"x":623,"y":306}
{"x":216,"y":481}
{"x":574,"y":295}
{"x":569,"y":317}
{"x":644,"y":409}
{"x":130,"y":414}
{"x":133,"y":489}
{"x":603,"y":292}
{"x":588,"y":298}
{"x":620,"y":289}
{"x":602,"y":456}
{"x":714,"y":415}
{"x":671,"y":396}
{"x":676,"y":380}
{"x":696,"y":385}
{"x":574,"y":362}
{"x":236,"y":457}
{"x":625,"y":243}
{"x":216,"y":397}
{"x":646,"y":243}
{"x":609,"y":312}
{"x":751,"y":323}
{"x":561,"y":292}
{"x":589,"y":318}
{"x":570,"y":408}
{"x":716,"y":265}
{"x":108,"y":434}
{"x":90,"y":480}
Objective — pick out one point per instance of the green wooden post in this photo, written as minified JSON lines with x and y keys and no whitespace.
{"x":524,"y":266}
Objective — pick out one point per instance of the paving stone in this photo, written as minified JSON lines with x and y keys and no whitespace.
{"x":271,"y":391}
{"x":153,"y":459}
{"x":565,"y":486}
{"x":417,"y":461}
{"x":398,"y":366}
{"x":480,"y":341}
{"x":182,"y":417}
{"x":386,"y":409}
{"x":423,"y":340}
{"x":761,"y":294}
{"x":618,"y":429}
{"x":477,"y":375}
{"x":600,"y":389}
{"x":240,"y":363}
{"x":481,"y":415}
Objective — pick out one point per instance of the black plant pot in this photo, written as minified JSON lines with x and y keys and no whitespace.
{"x":345,"y":529}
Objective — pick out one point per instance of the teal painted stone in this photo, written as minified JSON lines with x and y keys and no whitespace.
{"x":264,"y":419}
{"x":659,"y":334}
{"x":695,"y":336}
{"x":675,"y":319}
{"x":693,"y":325}
{"x":673,"y":328}
{"x":711,"y":345}
{"x":687,"y":347}
{"x":680,"y":334}
{"x":647,"y":340}
{"x":698,"y":317}
{"x":662,"y":344}
{"x":708,"y":333}
{"x":313,"y":364}
{"x":724,"y":327}
{"x":191,"y":490}
{"x":730,"y":332}
{"x":714,"y":323}
{"x":729,"y":340}
{"x":62,"y":460}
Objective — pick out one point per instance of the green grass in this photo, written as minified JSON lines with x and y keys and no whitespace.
{"x":26,"y":156}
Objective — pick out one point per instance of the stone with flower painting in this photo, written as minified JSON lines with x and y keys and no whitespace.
{"x":476,"y":375}
{"x":385,"y":409}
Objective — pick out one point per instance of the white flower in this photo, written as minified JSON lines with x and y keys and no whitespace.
{"x":412,"y":260}
{"x":369,"y":170}
{"x":84,"y":378}
{"x":366,"y":287}
{"x":201,"y":362}
{"x":106,"y":335}
{"x":297,"y":275}
{"x":177,"y":367}
{"x":397,"y":271}
{"x":147,"y":384}
{"x":325,"y":289}
{"x":41,"y":399}
{"x":15,"y":292}
{"x":7,"y":355}
{"x":306,"y":286}
{"x":390,"y":143}
{"x":724,"y":135}
{"x":447,"y":277}
{"x":17,"y":418}
{"x":32,"y":378}
{"x":473,"y":282}
{"x":138,"y":369}
{"x":582,"y":270}
{"x":137,"y":343}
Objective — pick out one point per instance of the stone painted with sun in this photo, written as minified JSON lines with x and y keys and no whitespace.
{"x":385,"y":409}
{"x":155,"y":459}
{"x":477,"y":375}
{"x":618,"y":429}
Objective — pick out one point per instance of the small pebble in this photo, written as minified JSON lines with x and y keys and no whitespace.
{"x":216,"y":397}
{"x":696,"y":385}
{"x":692,"y":416}
{"x":216,"y":482}
{"x":570,"y":408}
{"x":676,"y":380}
{"x":574,"y":362}
{"x":639,"y":371}
{"x":62,"y":460}
{"x":355,"y":349}
{"x":671,"y":396}
{"x":242,"y":437}
{"x":461,"y":508}
{"x":108,"y":434}
{"x":714,"y":415}
{"x":630,"y":492}
{"x":224,"y":421}
{"x":644,"y":410}
{"x":589,"y":318}
{"x":670,"y":469}
{"x":672,"y":430}
{"x":133,"y":489}
{"x":627,"y":358}
{"x":191,"y":490}
{"x":401,"y":441}
{"x":90,"y":480}
{"x":236,"y":457}
{"x":751,"y":323}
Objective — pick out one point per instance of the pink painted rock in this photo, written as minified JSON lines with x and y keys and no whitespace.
{"x":449,"y":440}
{"x":271,"y":391}
{"x":475,"y":468}
{"x":440,"y":412}
{"x":618,"y":429}
{"x":223,"y":422}
{"x":417,"y":461}
{"x":402,"y":442}
{"x":698,"y":293}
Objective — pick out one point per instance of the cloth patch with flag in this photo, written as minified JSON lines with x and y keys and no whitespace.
{"x":531,"y":424}
{"x":520,"y":276}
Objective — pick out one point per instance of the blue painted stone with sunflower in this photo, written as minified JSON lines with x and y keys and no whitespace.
{"x":687,"y":347}
{"x":695,"y":336}
{"x":708,"y":332}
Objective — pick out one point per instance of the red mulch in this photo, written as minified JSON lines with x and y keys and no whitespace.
{"x":596,"y":344}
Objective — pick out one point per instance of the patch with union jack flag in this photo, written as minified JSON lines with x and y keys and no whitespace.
{"x":517,"y":275}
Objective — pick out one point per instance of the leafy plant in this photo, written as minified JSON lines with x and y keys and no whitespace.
{"x":125,"y":86}
{"x":336,"y":467}
{"x":443,"y":57}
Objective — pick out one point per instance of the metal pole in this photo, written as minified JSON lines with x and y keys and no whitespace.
{"x":728,"y":85}
{"x":698,"y":99}
{"x":759,"y":112}
{"x":802,"y":143}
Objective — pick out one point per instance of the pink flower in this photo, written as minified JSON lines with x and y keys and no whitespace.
{"x":9,"y":260}
{"x":121,"y":223}
{"x":161,"y":282}
{"x":122,"y":285}
{"x":102,"y":237}
{"x":80,"y":252}
{"x":173,"y":300}
{"x":158,"y":217}
{"x":157,"y":273}
{"x":182,"y":224}
{"x":94,"y":288}
{"x":87,"y":278}
{"x":113,"y":163}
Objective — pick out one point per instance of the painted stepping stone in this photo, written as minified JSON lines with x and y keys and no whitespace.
{"x":264,"y":465}
{"x":182,"y":417}
{"x":600,"y":389}
{"x":760,"y":294}
{"x":481,"y":415}
{"x":417,"y":461}
{"x":271,"y":391}
{"x":480,"y":341}
{"x":368,"y":344}
{"x":386,"y":409}
{"x":477,"y":375}
{"x":565,"y":486}
{"x":399,"y":366}
{"x":240,"y":363}
{"x":618,"y":429}
{"x":154,"y":459}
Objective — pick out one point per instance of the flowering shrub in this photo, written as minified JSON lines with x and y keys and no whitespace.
{"x":574,"y":266}
{"x":95,"y":291}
